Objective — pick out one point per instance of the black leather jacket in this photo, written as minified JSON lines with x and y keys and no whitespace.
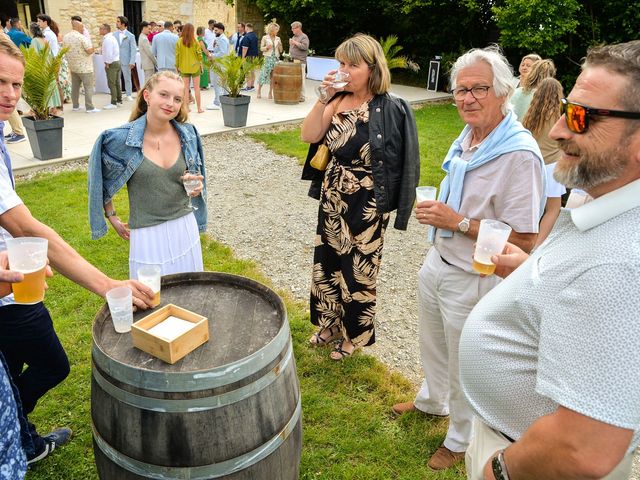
{"x":395,"y":158}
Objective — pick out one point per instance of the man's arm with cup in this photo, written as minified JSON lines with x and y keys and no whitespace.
{"x":440,"y":215}
{"x":19,"y":222}
{"x":7,"y":277}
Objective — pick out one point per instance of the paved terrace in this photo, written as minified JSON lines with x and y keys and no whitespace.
{"x":81,"y":129}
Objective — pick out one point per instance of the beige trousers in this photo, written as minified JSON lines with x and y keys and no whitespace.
{"x":486,"y":442}
{"x":16,"y":123}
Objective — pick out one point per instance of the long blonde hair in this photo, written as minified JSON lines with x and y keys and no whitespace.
{"x":140,"y":107}
{"x":539,"y":71}
{"x":545,"y":106}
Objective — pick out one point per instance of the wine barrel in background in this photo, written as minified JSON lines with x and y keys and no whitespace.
{"x":229,"y":409}
{"x":287,"y":82}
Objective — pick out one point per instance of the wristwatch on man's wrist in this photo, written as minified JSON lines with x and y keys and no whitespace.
{"x":463,"y":226}
{"x":498,"y":466}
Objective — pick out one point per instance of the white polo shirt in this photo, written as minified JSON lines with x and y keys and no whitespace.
{"x":564,"y":328}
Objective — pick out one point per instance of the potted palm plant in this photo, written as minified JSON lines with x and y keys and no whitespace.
{"x":232,"y":72}
{"x":40,"y":79}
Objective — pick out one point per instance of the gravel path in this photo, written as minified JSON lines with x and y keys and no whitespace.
{"x":259,"y":206}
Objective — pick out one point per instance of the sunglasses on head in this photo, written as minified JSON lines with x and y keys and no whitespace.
{"x":577,"y":116}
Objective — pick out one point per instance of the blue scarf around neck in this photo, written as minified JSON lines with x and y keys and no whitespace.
{"x":508,"y":136}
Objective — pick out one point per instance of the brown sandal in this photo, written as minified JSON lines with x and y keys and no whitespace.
{"x":317,"y":340}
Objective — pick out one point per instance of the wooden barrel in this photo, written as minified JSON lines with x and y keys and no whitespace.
{"x":229,"y":409}
{"x":287,"y":83}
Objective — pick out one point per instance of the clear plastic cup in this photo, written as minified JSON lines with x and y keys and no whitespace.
{"x":28,"y":255}
{"x":120,"y":300}
{"x":492,"y":238}
{"x":150,"y":276}
{"x":426,"y":193}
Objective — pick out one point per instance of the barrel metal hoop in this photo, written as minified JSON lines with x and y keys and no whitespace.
{"x":194,"y":404}
{"x":193,"y":381}
{"x":214,"y":470}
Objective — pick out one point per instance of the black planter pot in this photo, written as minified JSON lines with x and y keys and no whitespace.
{"x":45,"y":136}
{"x":235,"y":110}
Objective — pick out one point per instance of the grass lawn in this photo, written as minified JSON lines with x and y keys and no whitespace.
{"x":438,"y":126}
{"x":349,"y":432}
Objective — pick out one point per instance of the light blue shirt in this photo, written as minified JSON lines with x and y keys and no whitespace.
{"x":164,"y":49}
{"x":128,"y":49}
{"x":220,"y":46}
{"x":563,"y":329}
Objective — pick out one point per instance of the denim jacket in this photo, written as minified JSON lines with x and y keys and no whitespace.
{"x":395,"y":158}
{"x":118,"y":153}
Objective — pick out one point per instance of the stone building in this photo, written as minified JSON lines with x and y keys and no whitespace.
{"x":96,"y":12}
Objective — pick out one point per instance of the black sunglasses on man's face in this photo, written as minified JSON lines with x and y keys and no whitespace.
{"x":577,"y":116}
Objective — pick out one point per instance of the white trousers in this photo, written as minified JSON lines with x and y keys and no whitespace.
{"x":446,"y":296}
{"x":487,"y":441}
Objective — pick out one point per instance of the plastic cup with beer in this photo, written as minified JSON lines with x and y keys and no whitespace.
{"x":121,"y":307}
{"x":150,"y":276}
{"x":492,"y":238}
{"x":28,"y":255}
{"x":425,"y":193}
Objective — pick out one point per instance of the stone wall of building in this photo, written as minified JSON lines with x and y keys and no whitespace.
{"x":96,"y":12}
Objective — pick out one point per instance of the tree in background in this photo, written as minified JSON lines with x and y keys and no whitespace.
{"x":557,"y":29}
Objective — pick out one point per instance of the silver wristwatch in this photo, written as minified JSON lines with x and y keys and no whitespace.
{"x":463,"y":226}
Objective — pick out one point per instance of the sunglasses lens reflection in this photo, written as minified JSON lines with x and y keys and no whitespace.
{"x":576,"y":117}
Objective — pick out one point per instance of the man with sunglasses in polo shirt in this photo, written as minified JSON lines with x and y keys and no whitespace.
{"x":549,"y":359}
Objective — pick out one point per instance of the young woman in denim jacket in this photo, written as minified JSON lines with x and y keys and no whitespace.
{"x":150,"y":154}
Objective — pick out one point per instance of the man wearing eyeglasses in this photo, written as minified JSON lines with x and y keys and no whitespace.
{"x":494,"y":171}
{"x":549,"y":359}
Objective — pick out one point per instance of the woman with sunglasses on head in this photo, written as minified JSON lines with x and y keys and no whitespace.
{"x":525,"y":67}
{"x":373,"y":169}
{"x":524,"y":93}
{"x":543,"y":113}
{"x":151,"y":154}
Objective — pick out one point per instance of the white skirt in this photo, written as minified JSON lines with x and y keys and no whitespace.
{"x":554,"y":188}
{"x":174,"y":245}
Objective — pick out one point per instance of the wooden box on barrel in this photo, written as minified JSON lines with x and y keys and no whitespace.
{"x":230,"y":409}
{"x":170,"y":350}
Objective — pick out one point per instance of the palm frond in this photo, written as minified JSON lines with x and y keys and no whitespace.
{"x":392,"y":51}
{"x":233,"y":70}
{"x":40,"y":78}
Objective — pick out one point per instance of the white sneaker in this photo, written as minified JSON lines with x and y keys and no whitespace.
{"x":213,"y":106}
{"x":110,"y":106}
{"x":76,"y":109}
{"x":129,"y":98}
{"x":94,"y":110}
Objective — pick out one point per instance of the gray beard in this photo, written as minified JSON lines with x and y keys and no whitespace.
{"x":592,"y":170}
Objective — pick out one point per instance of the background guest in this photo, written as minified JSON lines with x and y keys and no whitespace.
{"x":164,"y":48}
{"x":200,"y":36}
{"x":80,"y":59}
{"x":220,"y":48}
{"x":249,"y":49}
{"x":543,"y":113}
{"x":271,"y":47}
{"x":298,"y":50}
{"x":111,"y":58}
{"x":524,"y":93}
{"x":127,"y":44}
{"x":147,"y":60}
{"x":189,"y":62}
